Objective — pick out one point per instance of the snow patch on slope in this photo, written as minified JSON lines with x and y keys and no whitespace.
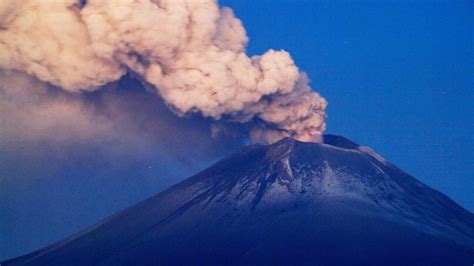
{"x":369,"y":151}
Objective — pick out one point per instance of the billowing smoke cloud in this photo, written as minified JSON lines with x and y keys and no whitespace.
{"x":191,"y":52}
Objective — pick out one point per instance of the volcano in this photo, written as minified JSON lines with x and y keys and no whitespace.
{"x":287,"y":203}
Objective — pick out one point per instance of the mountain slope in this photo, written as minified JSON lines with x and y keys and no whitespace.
{"x":289,"y":202}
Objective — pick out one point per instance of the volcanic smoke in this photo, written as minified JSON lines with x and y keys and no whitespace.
{"x":191,"y":52}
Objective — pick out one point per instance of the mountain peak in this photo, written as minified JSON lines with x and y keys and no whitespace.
{"x":339,"y":141}
{"x":284,"y":146}
{"x":290,"y":202}
{"x":280,"y":149}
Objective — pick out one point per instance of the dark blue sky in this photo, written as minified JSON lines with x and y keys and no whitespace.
{"x":398,"y":76}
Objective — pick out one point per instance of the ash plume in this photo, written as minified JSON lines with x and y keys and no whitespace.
{"x":191,"y":52}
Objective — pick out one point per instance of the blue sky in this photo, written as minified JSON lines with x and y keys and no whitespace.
{"x":398,"y":76}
